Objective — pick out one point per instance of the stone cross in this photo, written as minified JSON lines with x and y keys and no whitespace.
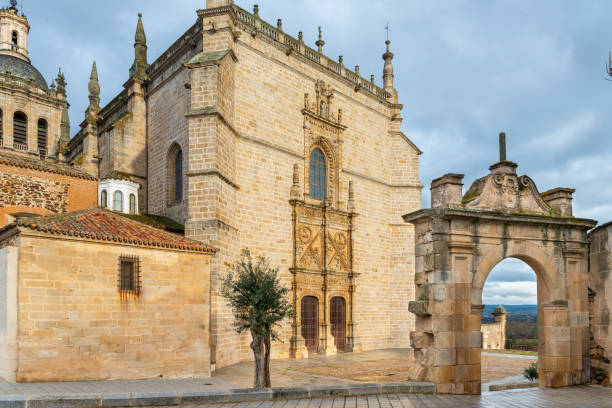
{"x":502,"y":147}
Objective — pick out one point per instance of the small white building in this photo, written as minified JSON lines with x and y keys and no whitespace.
{"x":118,"y":195}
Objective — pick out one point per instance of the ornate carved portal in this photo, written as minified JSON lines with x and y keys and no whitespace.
{"x":322,"y":239}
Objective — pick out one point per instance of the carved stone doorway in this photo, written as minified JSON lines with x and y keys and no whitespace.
{"x":459,"y":241}
{"x":338,"y":321}
{"x":310,"y":323}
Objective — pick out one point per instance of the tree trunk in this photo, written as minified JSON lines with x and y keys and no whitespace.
{"x":257,"y":345}
{"x":267,"y":362}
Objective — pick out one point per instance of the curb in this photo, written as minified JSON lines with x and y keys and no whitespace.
{"x":505,"y":387}
{"x":237,"y":395}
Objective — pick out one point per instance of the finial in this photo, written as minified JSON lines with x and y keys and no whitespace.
{"x":357,"y":69}
{"x":388,"y":69}
{"x":94,"y":91}
{"x":372,"y":78}
{"x":13,"y":4}
{"x":279,"y":24}
{"x":139,"y":15}
{"x":320,"y":43}
{"x":388,"y":29}
{"x":256,"y":10}
{"x":140,"y":65}
{"x":301,"y":36}
{"x":502,"y":147}
{"x":295,"y":188}
{"x":341,"y":60}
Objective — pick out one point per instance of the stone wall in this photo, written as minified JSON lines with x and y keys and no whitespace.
{"x":75,"y":325}
{"x":33,"y":191}
{"x":493,"y":336}
{"x":600,"y":296}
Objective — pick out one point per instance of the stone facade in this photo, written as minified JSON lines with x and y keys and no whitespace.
{"x":600,"y":296}
{"x":459,"y":241}
{"x":64,"y":317}
{"x":494,"y":334}
{"x":245,"y":104}
{"x":33,"y":187}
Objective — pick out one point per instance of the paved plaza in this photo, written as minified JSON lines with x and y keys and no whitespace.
{"x":580,"y":396}
{"x":290,"y":373}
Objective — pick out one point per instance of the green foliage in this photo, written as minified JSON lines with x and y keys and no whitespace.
{"x":256,"y":295}
{"x":531,"y":372}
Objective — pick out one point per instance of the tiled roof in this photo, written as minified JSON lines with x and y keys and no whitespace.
{"x":105,"y":225}
{"x":16,"y":160}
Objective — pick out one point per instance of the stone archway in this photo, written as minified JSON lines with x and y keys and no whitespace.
{"x":459,"y":241}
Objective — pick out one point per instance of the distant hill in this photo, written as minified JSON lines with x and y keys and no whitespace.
{"x":522,"y":313}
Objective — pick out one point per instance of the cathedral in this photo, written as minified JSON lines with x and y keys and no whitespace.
{"x":239,"y":135}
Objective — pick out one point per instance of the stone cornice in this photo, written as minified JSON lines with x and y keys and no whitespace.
{"x":450,"y":212}
{"x":213,"y":172}
{"x":379,"y":181}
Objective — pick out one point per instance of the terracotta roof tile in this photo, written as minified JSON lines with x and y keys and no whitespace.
{"x":104,"y":225}
{"x":12,"y":159}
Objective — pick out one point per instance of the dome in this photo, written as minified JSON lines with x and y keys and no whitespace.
{"x":21,"y":69}
{"x":499,"y":310}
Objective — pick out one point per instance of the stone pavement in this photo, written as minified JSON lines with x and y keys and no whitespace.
{"x":592,"y":396}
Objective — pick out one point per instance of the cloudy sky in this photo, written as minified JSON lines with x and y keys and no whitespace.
{"x":465,"y":70}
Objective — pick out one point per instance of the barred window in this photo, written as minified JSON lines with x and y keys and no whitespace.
{"x":129,"y":274}
{"x":15,"y":39}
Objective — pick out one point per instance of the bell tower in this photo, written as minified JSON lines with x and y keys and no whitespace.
{"x":14,"y":29}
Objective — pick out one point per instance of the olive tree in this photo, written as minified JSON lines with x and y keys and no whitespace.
{"x":259,"y":302}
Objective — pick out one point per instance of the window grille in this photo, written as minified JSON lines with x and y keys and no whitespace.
{"x":318,"y":175}
{"x":129,"y":274}
{"x":20,"y":130}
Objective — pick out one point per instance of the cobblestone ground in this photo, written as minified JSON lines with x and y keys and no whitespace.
{"x":580,"y":396}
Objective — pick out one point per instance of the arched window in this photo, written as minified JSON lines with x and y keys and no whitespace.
{"x":118,"y":201}
{"x":103,"y":199}
{"x":132,"y":204}
{"x":42,"y":137}
{"x":178,"y":176}
{"x":15,"y":39}
{"x":174,"y":178}
{"x":318,"y":175}
{"x":20,"y":131}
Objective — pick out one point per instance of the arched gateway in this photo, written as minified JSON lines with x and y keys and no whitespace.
{"x":461,"y":238}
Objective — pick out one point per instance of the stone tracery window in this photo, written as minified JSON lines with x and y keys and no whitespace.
{"x":318,"y":175}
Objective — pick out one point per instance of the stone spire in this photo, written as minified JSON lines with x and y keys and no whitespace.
{"x":139,"y":68}
{"x":388,"y":69}
{"x":65,"y":130}
{"x":94,"y":91}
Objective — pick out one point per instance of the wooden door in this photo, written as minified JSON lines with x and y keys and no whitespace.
{"x":310,"y":323}
{"x":338,"y":321}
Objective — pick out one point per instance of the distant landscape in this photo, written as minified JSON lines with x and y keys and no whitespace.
{"x":521,"y":325}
